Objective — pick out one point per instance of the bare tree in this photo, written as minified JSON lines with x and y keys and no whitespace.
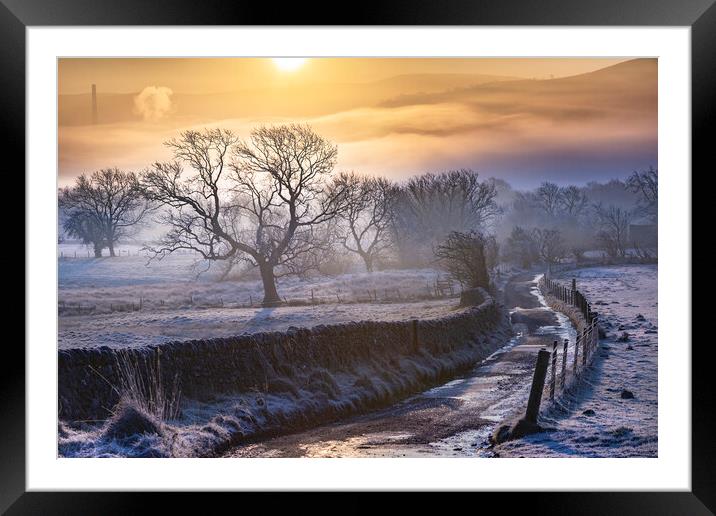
{"x":550,"y":245}
{"x":646,"y":185}
{"x":79,"y":225}
{"x":549,"y":197}
{"x":463,"y":256}
{"x":520,"y":247}
{"x":492,"y":252}
{"x":103,"y":207}
{"x":572,"y":201}
{"x":613,"y":223}
{"x":367,"y":216}
{"x":430,"y":206}
{"x":262,"y":198}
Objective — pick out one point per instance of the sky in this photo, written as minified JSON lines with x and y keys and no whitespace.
{"x":524,"y":120}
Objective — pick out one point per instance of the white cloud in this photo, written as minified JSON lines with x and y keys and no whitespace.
{"x":154,"y":103}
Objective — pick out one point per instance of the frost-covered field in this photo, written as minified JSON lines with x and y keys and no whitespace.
{"x":158,"y":326}
{"x":179,"y":281}
{"x":601,"y":419}
{"x":128,"y":270}
{"x":99,"y":300}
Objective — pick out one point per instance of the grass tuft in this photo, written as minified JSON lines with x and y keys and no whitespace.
{"x":142,"y":384}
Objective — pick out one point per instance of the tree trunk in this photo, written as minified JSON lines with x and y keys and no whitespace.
{"x":368,"y":260}
{"x":98,"y":250}
{"x":111,"y":248}
{"x":271,"y":297}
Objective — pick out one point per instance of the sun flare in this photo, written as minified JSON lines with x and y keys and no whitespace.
{"x":288,"y":64}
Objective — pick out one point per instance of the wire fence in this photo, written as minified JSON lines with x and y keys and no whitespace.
{"x":85,"y":253}
{"x":439,"y":288}
{"x":556,"y":370}
{"x":568,"y":295}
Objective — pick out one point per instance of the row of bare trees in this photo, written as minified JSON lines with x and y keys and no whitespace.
{"x":565,"y":221}
{"x":275,"y":201}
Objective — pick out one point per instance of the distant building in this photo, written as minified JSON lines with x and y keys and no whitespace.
{"x":643,"y":235}
{"x":94,"y":104}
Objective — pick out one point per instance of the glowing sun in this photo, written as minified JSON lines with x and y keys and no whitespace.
{"x":288,"y":64}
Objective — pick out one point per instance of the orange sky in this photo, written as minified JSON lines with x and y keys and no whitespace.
{"x":524,"y":120}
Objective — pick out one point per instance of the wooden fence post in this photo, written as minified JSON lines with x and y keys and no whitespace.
{"x":564,"y":364}
{"x":596,"y":332}
{"x":535,"y":398}
{"x":585,"y":337}
{"x":576,"y":354}
{"x":553,"y":379}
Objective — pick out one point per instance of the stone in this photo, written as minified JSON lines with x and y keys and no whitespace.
{"x":516,"y":430}
{"x":130,"y":420}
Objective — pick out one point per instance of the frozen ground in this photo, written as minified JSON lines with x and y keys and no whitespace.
{"x":130,"y":267}
{"x":178,"y":281}
{"x":99,"y":300}
{"x":452,"y":420}
{"x":597,"y":420}
{"x":302,"y":400}
{"x":158,"y":326}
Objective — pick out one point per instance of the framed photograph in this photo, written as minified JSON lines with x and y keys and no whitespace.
{"x":417,"y":249}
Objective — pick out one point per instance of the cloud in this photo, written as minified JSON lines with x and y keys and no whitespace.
{"x":154,"y":103}
{"x":597,"y":126}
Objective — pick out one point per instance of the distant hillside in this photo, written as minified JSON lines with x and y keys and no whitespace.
{"x":628,"y":87}
{"x":301,"y":100}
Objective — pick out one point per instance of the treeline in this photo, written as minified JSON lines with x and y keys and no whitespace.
{"x":274,"y":201}
{"x":552,"y":223}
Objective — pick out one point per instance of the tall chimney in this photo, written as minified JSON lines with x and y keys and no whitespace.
{"x":94,"y":104}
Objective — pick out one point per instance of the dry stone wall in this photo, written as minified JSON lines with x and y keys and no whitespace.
{"x":394,"y":358}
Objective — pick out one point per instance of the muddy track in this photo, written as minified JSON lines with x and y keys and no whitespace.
{"x":451,"y":420}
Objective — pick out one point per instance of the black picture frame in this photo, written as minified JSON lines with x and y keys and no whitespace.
{"x":700,"y":15}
